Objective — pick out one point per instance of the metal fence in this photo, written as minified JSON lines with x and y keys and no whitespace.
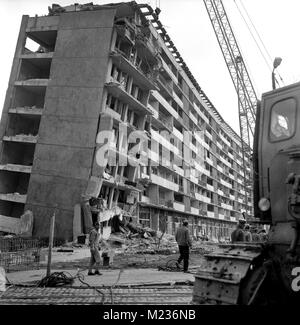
{"x":19,"y":253}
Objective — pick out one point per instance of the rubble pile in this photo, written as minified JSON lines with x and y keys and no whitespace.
{"x":132,"y":238}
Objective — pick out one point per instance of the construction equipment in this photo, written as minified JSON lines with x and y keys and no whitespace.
{"x":269,"y":272}
{"x":247,"y":98}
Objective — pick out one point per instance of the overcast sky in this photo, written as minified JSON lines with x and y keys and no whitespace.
{"x":188,"y":25}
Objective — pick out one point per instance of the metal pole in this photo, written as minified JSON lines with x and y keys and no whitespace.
{"x":51,"y":236}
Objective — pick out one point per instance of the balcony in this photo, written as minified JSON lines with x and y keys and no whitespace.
{"x":16,"y":168}
{"x":208,"y":135}
{"x":225,"y":162}
{"x":194,"y":148}
{"x":166,"y":85}
{"x":165,"y":104}
{"x":145,"y":199}
{"x":210,"y":187}
{"x":107,"y":110}
{"x":210,"y":214}
{"x":224,"y":140}
{"x":220,"y":169}
{"x":226,"y":184}
{"x":193,"y":118}
{"x":177,"y":100}
{"x":148,"y":47}
{"x":195,"y":211}
{"x":120,"y":60}
{"x":198,"y":110}
{"x":202,"y":198}
{"x":231,"y":176}
{"x":226,"y":206}
{"x":209,"y":161}
{"x":193,"y":179}
{"x":232,"y":197}
{"x":178,"y":170}
{"x":219,"y":145}
{"x":233,"y":219}
{"x":158,"y":180}
{"x":153,"y":111}
{"x":154,"y":156}
{"x":230,"y":155}
{"x":178,"y":206}
{"x":220,"y":192}
{"x":169,"y":71}
{"x":117,"y":90}
{"x":221,"y":216}
{"x":178,"y":134}
{"x":164,"y":142}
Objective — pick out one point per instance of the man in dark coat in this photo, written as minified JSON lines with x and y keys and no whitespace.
{"x":184,"y":242}
{"x":238,"y":234}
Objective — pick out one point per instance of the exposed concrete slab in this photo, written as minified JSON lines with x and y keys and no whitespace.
{"x":89,"y":19}
{"x":68,"y":131}
{"x":42,"y":215}
{"x":26,"y":110}
{"x":32,"y":82}
{"x":76,"y":102}
{"x":42,"y":23}
{"x":92,"y":43}
{"x":16,"y":168}
{"x":78,"y":72}
{"x":21,"y":138}
{"x":8,"y":224}
{"x":51,"y":190}
{"x":20,"y":226}
{"x":94,"y":186}
{"x":13,"y":197}
{"x":56,"y":160}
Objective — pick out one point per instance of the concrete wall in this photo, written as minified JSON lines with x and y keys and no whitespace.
{"x":68,"y":128}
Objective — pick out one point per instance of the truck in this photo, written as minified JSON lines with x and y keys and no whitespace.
{"x":264,"y":273}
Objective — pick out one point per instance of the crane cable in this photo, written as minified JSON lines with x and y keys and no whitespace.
{"x":256,"y":42}
{"x":257,"y":33}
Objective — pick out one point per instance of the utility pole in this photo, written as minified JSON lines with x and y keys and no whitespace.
{"x":51,"y":236}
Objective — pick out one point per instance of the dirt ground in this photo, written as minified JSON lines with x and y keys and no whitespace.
{"x":124,"y":261}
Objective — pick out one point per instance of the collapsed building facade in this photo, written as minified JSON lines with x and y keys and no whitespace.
{"x":114,"y":68}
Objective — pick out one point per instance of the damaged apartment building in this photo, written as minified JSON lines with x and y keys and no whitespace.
{"x":114,"y":68}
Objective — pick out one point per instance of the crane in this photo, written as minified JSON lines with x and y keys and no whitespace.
{"x":247,"y":98}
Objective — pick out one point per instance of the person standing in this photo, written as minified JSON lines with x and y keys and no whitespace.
{"x":184,"y":242}
{"x":247,"y":233}
{"x":94,"y":245}
{"x":238,"y":234}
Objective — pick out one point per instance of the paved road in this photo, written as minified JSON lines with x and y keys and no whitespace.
{"x":129,"y":286}
{"x":152,"y":295}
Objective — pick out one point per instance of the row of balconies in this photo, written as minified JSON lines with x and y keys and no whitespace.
{"x":22,"y":127}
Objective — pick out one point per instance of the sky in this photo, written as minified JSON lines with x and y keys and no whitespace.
{"x":188,"y":25}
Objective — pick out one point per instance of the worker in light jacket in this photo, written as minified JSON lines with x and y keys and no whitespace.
{"x":184,"y":242}
{"x":94,"y":248}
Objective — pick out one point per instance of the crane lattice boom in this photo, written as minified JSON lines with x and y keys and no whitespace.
{"x":237,"y":69}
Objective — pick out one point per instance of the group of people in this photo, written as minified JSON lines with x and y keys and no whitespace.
{"x":182,"y":237}
{"x":244,"y":233}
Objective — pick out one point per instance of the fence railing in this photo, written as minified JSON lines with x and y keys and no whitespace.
{"x":19,"y":253}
